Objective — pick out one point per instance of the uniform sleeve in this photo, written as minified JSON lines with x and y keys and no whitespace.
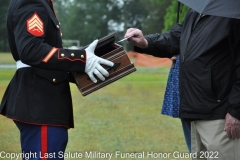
{"x":163,"y":45}
{"x":234,"y":96}
{"x":38,"y":39}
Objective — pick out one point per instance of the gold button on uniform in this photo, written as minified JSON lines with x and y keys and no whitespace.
{"x":72,"y":54}
{"x":82,"y":56}
{"x":54,"y":80}
{"x":62,"y":55}
{"x":57,"y":26}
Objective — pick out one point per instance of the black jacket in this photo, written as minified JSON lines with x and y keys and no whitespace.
{"x":210,"y":64}
{"x":39,"y":94}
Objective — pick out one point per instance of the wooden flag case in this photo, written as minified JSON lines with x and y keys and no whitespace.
{"x":111,"y":51}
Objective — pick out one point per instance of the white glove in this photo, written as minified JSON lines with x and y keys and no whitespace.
{"x":93,"y":64}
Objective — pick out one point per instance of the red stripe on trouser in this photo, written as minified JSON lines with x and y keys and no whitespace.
{"x":44,"y":142}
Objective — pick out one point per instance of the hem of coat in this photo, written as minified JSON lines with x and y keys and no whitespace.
{"x":170,"y":115}
{"x":35,"y":123}
{"x":202,"y":117}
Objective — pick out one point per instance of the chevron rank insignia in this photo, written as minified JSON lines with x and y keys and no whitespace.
{"x":35,"y":25}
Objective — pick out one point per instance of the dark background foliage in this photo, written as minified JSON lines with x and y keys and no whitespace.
{"x":86,"y":20}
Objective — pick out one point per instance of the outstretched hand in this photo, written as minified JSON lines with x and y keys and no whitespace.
{"x":137,"y":38}
{"x":93,"y":62}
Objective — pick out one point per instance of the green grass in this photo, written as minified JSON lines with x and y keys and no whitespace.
{"x":123,"y":116}
{"x":6,"y":58}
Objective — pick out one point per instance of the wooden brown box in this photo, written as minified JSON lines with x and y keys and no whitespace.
{"x":109,"y":50}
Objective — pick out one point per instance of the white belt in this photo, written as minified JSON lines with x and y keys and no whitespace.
{"x":21,"y":65}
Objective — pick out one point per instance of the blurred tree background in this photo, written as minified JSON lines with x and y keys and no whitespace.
{"x":86,"y":20}
{"x":3,"y":36}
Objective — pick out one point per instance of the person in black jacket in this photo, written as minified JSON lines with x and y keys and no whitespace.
{"x":38,"y":97}
{"x":209,"y":85}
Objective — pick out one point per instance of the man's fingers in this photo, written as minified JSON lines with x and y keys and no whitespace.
{"x":136,"y":33}
{"x":233,"y":133}
{"x":237,"y":133}
{"x":91,"y":76}
{"x":98,"y":74}
{"x":106,"y":62}
{"x":102,"y":70}
{"x":229,"y":134}
{"x":174,"y":58}
{"x":130,"y":32}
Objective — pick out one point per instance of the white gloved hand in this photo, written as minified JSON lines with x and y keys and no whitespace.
{"x":93,"y":63}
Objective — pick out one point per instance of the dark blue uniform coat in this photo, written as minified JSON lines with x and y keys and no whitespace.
{"x":39,"y":94}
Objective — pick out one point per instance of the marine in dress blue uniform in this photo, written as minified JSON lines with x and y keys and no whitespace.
{"x":38,"y":97}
